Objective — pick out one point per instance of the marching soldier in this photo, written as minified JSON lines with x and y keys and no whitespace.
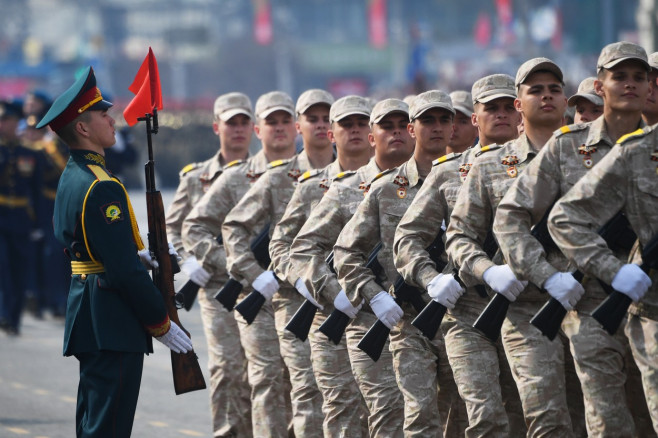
{"x":392,"y":146}
{"x":464,"y":132}
{"x":415,"y":359}
{"x":114,"y":309}
{"x":229,"y":390}
{"x":22,"y":218}
{"x":588,"y":104}
{"x":263,"y":206}
{"x":343,"y":407}
{"x":650,"y":112}
{"x":200,"y":230}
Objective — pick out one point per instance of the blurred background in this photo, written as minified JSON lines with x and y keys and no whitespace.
{"x":378,"y":48}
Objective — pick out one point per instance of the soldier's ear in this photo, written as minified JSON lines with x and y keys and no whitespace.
{"x":215,"y":127}
{"x":598,"y":87}
{"x":257,"y":131}
{"x":330,"y":135}
{"x":474,"y":120}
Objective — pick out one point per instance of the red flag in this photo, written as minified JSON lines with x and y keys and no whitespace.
{"x":262,"y":22}
{"x":147,"y":90}
{"x":377,"y":25}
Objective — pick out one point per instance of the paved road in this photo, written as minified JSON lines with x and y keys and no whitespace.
{"x":38,"y":386}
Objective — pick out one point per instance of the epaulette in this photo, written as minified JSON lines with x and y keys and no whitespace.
{"x":343,"y":174}
{"x":100,"y":173}
{"x":637,"y":133}
{"x":487,"y":148}
{"x":309,"y":174}
{"x":277,"y":163}
{"x":188,"y":168}
{"x":447,"y":157}
{"x":569,"y":128}
{"x":382,"y":173}
{"x":234,"y":163}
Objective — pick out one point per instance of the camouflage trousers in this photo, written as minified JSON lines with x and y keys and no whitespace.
{"x":305,"y":396}
{"x":642,"y":335}
{"x":345,"y":411}
{"x":266,"y":374}
{"x":432,"y":406}
{"x":376,"y":381}
{"x":600,"y":364}
{"x":482,"y":375}
{"x":229,"y":390}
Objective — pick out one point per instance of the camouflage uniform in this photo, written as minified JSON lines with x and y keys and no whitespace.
{"x":310,"y":248}
{"x":264,"y":203}
{"x":416,"y":360}
{"x":200,"y":229}
{"x":343,"y":407}
{"x":229,"y":390}
{"x":529,"y":354}
{"x":625,"y":179}
{"x":599,"y":357}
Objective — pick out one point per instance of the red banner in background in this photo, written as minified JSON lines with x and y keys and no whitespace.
{"x":262,"y":22}
{"x":377,"y":23}
{"x":482,"y":30}
{"x":147,"y":90}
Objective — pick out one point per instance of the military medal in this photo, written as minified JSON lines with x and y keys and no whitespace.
{"x":253,"y":176}
{"x":294,"y":174}
{"x":403,"y":182}
{"x":324,"y":185}
{"x":511,"y":161}
{"x":364,"y":186}
{"x":586,"y":152}
{"x":463,"y":170}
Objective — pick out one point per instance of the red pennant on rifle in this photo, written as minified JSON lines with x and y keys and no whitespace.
{"x":147,"y":90}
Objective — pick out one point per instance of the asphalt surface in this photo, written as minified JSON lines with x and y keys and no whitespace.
{"x":38,"y":385}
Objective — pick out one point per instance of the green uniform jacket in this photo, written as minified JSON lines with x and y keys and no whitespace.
{"x":118,"y":309}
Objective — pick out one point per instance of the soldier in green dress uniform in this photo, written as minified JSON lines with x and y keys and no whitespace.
{"x":113,"y":307}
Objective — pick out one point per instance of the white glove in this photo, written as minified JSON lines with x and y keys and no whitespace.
{"x":301,"y":288}
{"x":172,"y":251}
{"x":386,"y":309}
{"x":343,"y":304}
{"x":147,"y":260}
{"x":176,"y":339}
{"x":195,"y":272}
{"x":266,"y":284}
{"x":444,"y":289}
{"x":631,"y":280}
{"x":502,"y":280}
{"x":564,"y":288}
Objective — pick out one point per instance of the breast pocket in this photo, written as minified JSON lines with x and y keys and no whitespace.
{"x":499,"y":188}
{"x":645,"y":201}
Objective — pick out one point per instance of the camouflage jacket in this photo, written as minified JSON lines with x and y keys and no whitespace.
{"x":313,"y":184}
{"x":626,"y":179}
{"x":204,"y":222}
{"x":375,"y":221}
{"x":317,"y":236}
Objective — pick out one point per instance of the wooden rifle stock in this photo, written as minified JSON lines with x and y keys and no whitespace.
{"x":185,"y":366}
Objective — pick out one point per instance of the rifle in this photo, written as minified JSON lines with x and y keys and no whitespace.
{"x":374,"y":340}
{"x":619,"y":236}
{"x":185,"y":366}
{"x":336,"y":323}
{"x":251,"y":305}
{"x":613,"y":309}
{"x":187,"y":294}
{"x":229,"y":293}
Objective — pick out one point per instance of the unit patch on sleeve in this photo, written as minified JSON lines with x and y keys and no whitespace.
{"x":112,"y":212}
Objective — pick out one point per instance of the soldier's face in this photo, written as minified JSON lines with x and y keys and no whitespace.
{"x":277,"y":131}
{"x":651,"y":106}
{"x":624,"y":87}
{"x":541,"y":99}
{"x":464,"y":132}
{"x":497,"y":120}
{"x":351,"y":134}
{"x":432,"y":131}
{"x":313,"y":126}
{"x":235,"y":133}
{"x":586,"y":111}
{"x":390,"y":136}
{"x":100,"y":129}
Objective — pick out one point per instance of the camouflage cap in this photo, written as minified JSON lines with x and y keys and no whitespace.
{"x":348,"y":105}
{"x":493,"y":87}
{"x":462,"y":101}
{"x":614,"y":53}
{"x":586,"y":91}
{"x":537,"y":64}
{"x":386,"y":107}
{"x":409,"y":98}
{"x":428,"y":100}
{"x":312,"y":97}
{"x":231,"y":104}
{"x":274,"y":101}
{"x":653,"y":60}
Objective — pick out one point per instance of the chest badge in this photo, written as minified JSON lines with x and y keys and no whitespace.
{"x":463,"y":171}
{"x":511,"y":161}
{"x":587,"y":151}
{"x":402,"y":182}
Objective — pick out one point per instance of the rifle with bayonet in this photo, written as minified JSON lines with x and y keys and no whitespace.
{"x":618,"y":236}
{"x":229,"y":293}
{"x":187,"y":294}
{"x":334,"y":326}
{"x":185,"y":366}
